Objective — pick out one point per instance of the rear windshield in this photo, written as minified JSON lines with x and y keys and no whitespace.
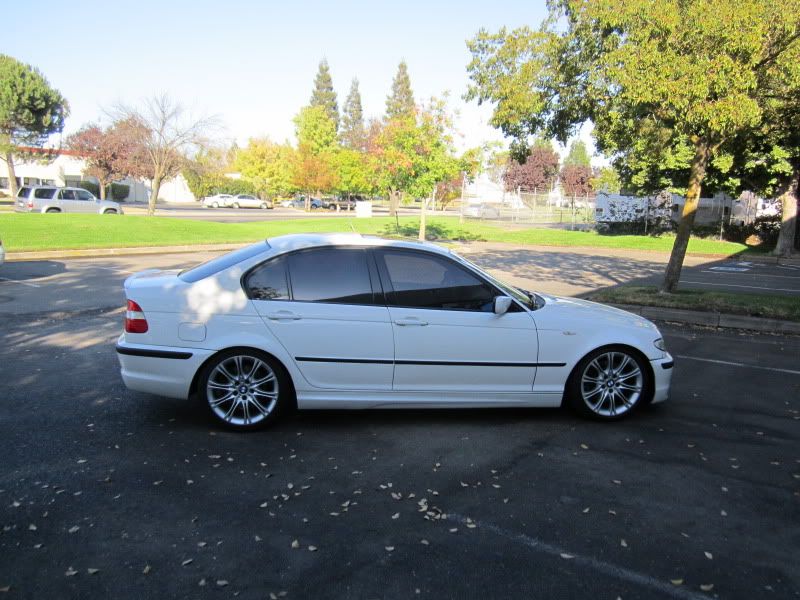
{"x":23,"y":192}
{"x":43,"y":193}
{"x":215,"y":265}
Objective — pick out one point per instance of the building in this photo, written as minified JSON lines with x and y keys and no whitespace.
{"x":45,"y":166}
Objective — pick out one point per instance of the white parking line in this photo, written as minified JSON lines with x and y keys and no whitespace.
{"x":796,"y":278}
{"x":585,"y":561}
{"x":20,"y":282}
{"x":752,"y":287}
{"x":737,"y":364}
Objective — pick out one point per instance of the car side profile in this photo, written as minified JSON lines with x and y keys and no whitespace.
{"x":51,"y":199}
{"x":345,"y":321}
{"x":218,"y":200}
{"x":249,"y":201}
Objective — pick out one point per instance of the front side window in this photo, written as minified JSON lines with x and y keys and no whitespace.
{"x":44,"y":193}
{"x":426,"y":281}
{"x":268,"y":281}
{"x":67,"y":195}
{"x":334,"y":275}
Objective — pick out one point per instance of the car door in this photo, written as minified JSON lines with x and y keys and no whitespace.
{"x":68,"y":201}
{"x":85,"y":202}
{"x":322,"y":305}
{"x":447,"y":336}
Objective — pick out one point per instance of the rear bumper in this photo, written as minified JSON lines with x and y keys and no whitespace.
{"x":662,"y":377}
{"x":159,"y":370}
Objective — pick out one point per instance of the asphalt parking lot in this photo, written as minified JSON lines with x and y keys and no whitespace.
{"x":109,"y":493}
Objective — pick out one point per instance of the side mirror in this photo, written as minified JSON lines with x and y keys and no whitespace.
{"x":501,"y":305}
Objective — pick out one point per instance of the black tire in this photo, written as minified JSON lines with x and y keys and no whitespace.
{"x":603,"y":385}
{"x":244,"y":399}
{"x":109,"y":211}
{"x":52,"y":210}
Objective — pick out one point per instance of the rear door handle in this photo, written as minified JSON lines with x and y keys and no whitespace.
{"x":283,"y":315}
{"x":410,"y":322}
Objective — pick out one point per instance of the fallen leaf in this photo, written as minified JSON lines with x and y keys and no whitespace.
{"x":709,"y":556}
{"x":425,"y":542}
{"x":586,"y":510}
{"x":73,"y":529}
{"x":623,"y":543}
{"x":92,"y":571}
{"x":146,"y":569}
{"x":396,"y":516}
{"x":389,"y":548}
{"x":616,"y":482}
{"x":222,"y":582}
{"x":70,"y":572}
{"x":584,"y":447}
{"x":312,"y":548}
{"x":706,"y":587}
{"x":566,"y":556}
{"x":295,"y":544}
{"x":188,"y":561}
{"x":676,"y":581}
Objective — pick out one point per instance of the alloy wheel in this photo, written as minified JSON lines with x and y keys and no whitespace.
{"x":242,"y":390}
{"x":611,"y":384}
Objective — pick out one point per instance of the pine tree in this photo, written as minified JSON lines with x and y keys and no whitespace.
{"x":324,"y":94}
{"x":401,"y":100}
{"x":352,"y":132}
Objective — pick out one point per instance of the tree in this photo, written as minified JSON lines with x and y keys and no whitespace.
{"x":354,"y":175}
{"x":315,"y":129}
{"x":606,"y":179}
{"x":106,"y":152}
{"x":400,"y":103}
{"x":30,"y":111}
{"x":324,"y":94}
{"x":538,"y":171}
{"x":268,"y":166}
{"x":578,"y":155}
{"x":680,"y":77}
{"x":352,"y":131}
{"x":162,"y":136}
{"x":392,"y":146}
{"x":314,"y":168}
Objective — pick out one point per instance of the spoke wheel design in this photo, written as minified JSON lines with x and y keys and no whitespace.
{"x":611,"y":384}
{"x":242,"y":390}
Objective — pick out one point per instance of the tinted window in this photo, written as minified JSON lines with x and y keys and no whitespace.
{"x":426,"y":281}
{"x":67,"y":195}
{"x":44,"y":193}
{"x":23,"y":192}
{"x":84,"y":195}
{"x":214,"y":266}
{"x":268,"y":281}
{"x":337,"y":275}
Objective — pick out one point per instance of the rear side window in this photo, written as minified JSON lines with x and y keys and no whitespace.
{"x":268,"y":281}
{"x":427,"y":281}
{"x":44,"y":193}
{"x":215,"y":265}
{"x":334,"y":275}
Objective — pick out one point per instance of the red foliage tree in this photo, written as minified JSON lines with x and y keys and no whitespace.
{"x":576,"y":180}
{"x":107,"y":152}
{"x":538,"y":172}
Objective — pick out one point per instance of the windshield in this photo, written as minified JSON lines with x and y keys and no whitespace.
{"x":522,"y":297}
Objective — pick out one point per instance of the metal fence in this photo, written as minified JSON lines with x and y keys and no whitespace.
{"x":572,"y":212}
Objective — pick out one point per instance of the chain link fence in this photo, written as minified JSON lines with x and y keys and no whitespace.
{"x":532,"y":207}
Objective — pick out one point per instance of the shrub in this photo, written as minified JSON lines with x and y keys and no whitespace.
{"x":89,"y":186}
{"x":119,"y":192}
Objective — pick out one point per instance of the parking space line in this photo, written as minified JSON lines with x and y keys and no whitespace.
{"x":20,"y":282}
{"x":752,"y":287}
{"x":737,"y":364}
{"x":600,"y":566}
{"x":796,"y":278}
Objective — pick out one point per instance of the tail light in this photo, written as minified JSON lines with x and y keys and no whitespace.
{"x":30,"y":203}
{"x":135,"y":321}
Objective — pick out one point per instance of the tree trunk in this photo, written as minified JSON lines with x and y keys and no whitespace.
{"x":102,"y":189}
{"x":155,"y":187}
{"x":12,"y":175}
{"x":696,"y":175}
{"x":422,"y":214}
{"x":789,"y":202}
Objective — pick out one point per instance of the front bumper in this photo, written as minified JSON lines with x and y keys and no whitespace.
{"x":159,"y":370}
{"x":662,"y":377}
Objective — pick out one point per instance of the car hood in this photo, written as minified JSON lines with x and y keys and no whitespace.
{"x":560,"y":311}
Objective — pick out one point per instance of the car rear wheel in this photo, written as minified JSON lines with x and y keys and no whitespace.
{"x":215,"y":205}
{"x":244,"y":389}
{"x":609,"y":383}
{"x":235,"y":205}
{"x":53,"y":210}
{"x":264,"y":206}
{"x":109,"y":211}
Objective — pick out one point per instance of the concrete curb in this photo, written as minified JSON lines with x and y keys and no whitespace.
{"x":103,"y":252}
{"x":713,"y":319}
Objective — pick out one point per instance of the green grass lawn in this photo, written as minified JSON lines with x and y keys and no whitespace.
{"x":27,"y":232}
{"x":756,"y":305}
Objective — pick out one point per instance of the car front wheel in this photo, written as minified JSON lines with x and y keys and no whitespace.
{"x":244,"y":389}
{"x":235,"y":205}
{"x":609,"y":383}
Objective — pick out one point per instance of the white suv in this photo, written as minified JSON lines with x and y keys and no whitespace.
{"x":51,"y":199}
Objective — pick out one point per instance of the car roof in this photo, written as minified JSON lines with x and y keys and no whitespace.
{"x":297,"y":241}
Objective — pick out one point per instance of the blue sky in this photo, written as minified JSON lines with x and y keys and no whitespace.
{"x":253,"y":63}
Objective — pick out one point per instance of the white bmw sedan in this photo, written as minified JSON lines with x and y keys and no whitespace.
{"x":345,"y":321}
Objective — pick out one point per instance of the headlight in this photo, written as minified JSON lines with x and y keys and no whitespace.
{"x":659,"y":343}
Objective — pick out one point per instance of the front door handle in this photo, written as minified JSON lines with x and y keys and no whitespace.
{"x":410,"y":322}
{"x":283,"y":315}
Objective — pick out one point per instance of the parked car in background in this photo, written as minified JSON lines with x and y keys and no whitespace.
{"x":51,"y":199}
{"x":217,"y":201}
{"x":300,"y":202}
{"x":249,"y":201}
{"x":349,"y":321}
{"x":343,"y":203}
{"x":2,"y":253}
